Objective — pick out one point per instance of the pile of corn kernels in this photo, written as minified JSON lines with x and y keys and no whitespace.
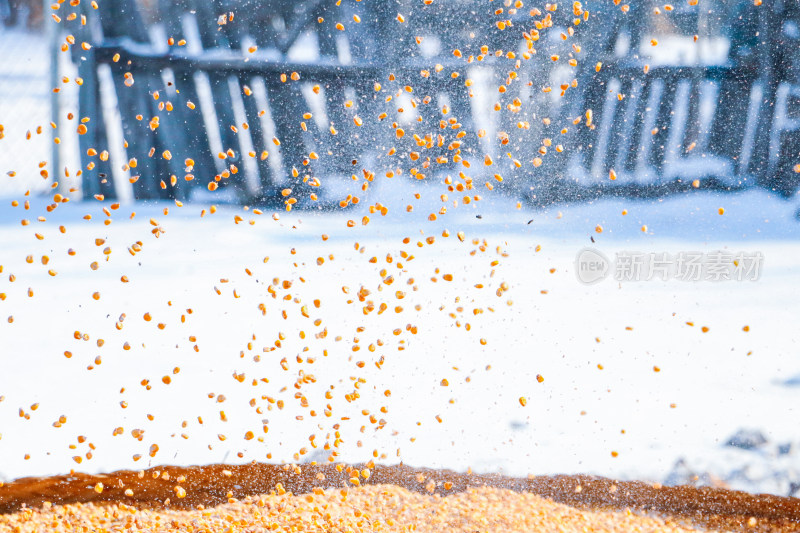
{"x":368,"y":508}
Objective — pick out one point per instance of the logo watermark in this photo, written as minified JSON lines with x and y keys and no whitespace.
{"x":592,"y":266}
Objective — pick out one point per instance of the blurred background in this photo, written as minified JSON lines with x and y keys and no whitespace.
{"x":703,"y":60}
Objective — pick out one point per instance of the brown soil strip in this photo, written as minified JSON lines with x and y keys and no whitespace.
{"x":216,"y":484}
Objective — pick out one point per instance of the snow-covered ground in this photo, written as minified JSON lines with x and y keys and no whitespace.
{"x":709,"y":385}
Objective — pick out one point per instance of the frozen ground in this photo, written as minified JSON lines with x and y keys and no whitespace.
{"x":719,"y":381}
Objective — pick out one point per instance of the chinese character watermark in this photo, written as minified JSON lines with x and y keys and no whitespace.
{"x":591,"y":266}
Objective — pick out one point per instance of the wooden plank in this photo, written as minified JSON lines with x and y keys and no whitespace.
{"x":266,"y":180}
{"x":206,"y":14}
{"x":304,"y":15}
{"x":132,"y":100}
{"x":192,"y":128}
{"x":769,"y":26}
{"x":145,"y":58}
{"x":287,"y":107}
{"x":194,"y":140}
{"x":223,"y":108}
{"x":728,"y":130}
{"x":262,"y":24}
{"x":133,"y":26}
{"x":623,"y":133}
{"x":593,"y":98}
{"x":137,"y":136}
{"x":170,"y":136}
{"x":98,"y":180}
{"x":214,"y":36}
{"x":663,"y":122}
{"x":374,"y":38}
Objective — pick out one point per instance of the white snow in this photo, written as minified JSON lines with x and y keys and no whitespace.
{"x":720,"y":381}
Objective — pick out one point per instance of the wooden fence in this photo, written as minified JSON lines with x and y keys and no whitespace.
{"x":651,"y":131}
